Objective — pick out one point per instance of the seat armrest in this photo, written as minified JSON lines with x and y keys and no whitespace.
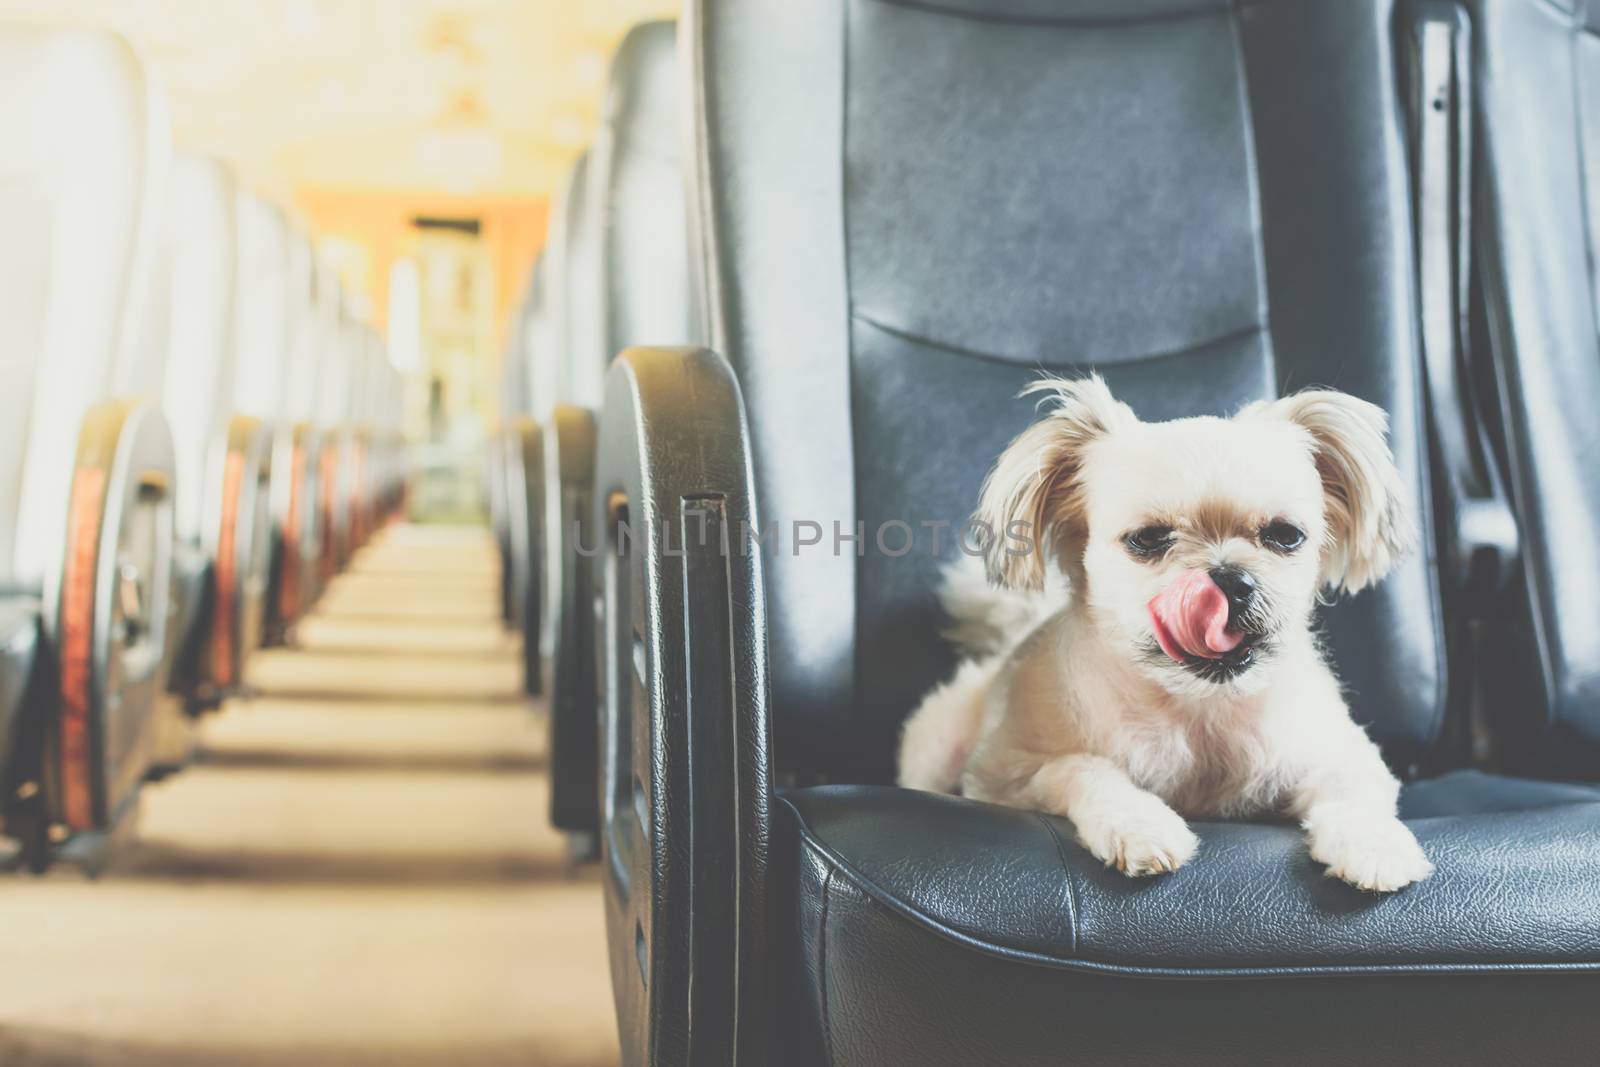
{"x":684,"y":710}
{"x":524,"y":494}
{"x":568,"y":524}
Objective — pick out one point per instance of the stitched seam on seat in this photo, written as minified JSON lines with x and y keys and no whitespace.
{"x":1238,"y":334}
{"x":890,"y":902}
{"x":822,"y":963}
{"x":1066,"y":873}
{"x":930,"y":7}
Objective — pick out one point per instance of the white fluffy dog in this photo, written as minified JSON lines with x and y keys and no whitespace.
{"x":1148,"y":654}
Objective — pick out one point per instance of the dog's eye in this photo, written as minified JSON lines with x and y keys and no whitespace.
{"x":1149,"y":541}
{"x":1283,"y":536}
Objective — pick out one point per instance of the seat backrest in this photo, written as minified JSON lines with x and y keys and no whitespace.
{"x":198,"y":303}
{"x":309,"y":298}
{"x":637,"y":179}
{"x":83,"y":150}
{"x":374,"y":358}
{"x":332,"y":368}
{"x":537,"y":334}
{"x":261,"y":321}
{"x":360,"y":374}
{"x":299,"y":282}
{"x":906,"y":209}
{"x":299,"y":371}
{"x":514,"y":364}
{"x":574,"y":298}
{"x":1537,"y":74}
{"x":141,"y":370}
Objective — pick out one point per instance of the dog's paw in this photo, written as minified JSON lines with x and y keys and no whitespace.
{"x":1153,"y":840}
{"x":1375,"y":853}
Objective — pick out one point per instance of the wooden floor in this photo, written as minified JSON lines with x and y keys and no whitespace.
{"x":359,"y":870}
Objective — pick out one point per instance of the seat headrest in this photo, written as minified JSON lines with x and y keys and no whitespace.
{"x":641,"y":105}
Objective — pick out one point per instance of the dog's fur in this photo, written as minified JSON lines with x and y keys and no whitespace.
{"x":1068,"y":705}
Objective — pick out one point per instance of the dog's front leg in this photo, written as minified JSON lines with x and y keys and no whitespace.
{"x":1122,"y":825}
{"x":1346,"y":800}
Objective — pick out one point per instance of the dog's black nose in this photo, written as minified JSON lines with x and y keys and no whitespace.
{"x":1237,"y":585}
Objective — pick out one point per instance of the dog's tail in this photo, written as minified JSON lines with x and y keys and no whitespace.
{"x":938,"y":738}
{"x":985,"y":620}
{"x":986,"y":623}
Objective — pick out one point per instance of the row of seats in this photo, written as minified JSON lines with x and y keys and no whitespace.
{"x":901,"y":210}
{"x":197,"y":434}
{"x":613,"y":274}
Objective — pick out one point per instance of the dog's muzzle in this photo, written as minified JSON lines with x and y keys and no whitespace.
{"x":1202,"y":621}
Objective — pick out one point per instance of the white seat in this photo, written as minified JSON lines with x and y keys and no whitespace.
{"x":300,"y":358}
{"x":199,"y":389}
{"x":85,"y":483}
{"x":331,"y":384}
{"x":83,"y":150}
{"x":261,"y":321}
{"x":297,"y":500}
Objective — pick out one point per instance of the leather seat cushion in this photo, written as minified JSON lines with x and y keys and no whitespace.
{"x":916,"y":915}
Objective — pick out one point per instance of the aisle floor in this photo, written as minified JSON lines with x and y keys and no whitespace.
{"x":358,"y":870}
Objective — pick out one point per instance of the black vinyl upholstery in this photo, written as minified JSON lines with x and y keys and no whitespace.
{"x":638,"y":177}
{"x":925,"y":929}
{"x":904,"y":209}
{"x":1203,"y":203}
{"x":626,"y":239}
{"x":576,"y":292}
{"x":1538,"y":74}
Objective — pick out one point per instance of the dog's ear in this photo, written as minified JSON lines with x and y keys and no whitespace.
{"x":1029,"y":506}
{"x":1369,"y":521}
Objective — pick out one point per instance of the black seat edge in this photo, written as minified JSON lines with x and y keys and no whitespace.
{"x":1015,"y":885}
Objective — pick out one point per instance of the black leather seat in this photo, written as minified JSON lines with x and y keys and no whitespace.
{"x":1208,"y":203}
{"x":637,"y":176}
{"x":521,"y":463}
{"x":634,"y":216}
{"x":1536,"y":186}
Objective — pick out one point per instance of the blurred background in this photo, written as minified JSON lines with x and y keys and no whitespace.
{"x":419,"y":141}
{"x":356,"y":863}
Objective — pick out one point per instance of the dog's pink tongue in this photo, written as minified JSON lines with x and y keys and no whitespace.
{"x":1191,"y":618}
